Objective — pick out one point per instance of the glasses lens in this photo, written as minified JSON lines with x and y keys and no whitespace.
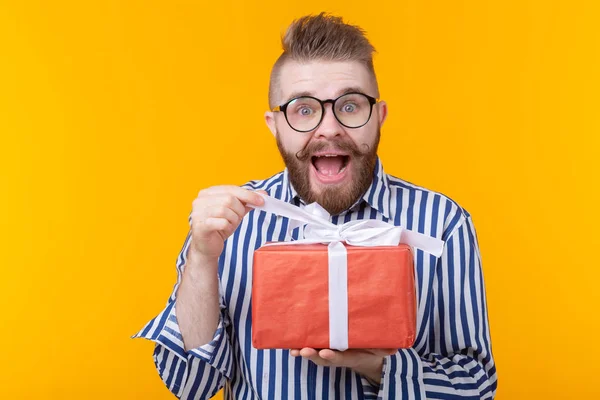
{"x":353,"y":110}
{"x":304,"y":113}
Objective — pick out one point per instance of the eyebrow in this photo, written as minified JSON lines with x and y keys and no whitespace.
{"x":350,"y":89}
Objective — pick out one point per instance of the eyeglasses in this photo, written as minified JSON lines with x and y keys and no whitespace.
{"x":304,"y":114}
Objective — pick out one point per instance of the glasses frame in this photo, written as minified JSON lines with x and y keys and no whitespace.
{"x":283,"y":108}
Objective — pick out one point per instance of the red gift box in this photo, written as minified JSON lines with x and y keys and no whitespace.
{"x":290,"y":299}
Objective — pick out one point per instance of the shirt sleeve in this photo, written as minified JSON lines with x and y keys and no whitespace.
{"x":452,"y":357}
{"x":197,"y":373}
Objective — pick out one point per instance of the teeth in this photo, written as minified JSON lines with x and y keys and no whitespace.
{"x":331,"y":173}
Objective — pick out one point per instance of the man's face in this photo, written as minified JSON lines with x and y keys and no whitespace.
{"x":331,"y":164}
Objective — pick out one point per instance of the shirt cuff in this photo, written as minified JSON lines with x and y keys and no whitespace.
{"x":164,"y":330}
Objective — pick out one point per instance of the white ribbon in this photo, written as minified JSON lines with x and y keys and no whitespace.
{"x":368,"y":232}
{"x":338,"y":296}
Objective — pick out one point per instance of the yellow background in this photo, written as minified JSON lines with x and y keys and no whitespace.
{"x":113,"y":114}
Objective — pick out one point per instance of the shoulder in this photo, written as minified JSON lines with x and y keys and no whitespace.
{"x":440,"y":209}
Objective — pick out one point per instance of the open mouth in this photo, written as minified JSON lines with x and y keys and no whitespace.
{"x":330,"y":165}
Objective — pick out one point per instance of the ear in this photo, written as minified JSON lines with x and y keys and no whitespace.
{"x":382,"y":112}
{"x":270,"y":120}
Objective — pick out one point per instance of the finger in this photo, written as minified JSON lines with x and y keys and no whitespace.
{"x":201,"y":204}
{"x":220,"y":225}
{"x":244,"y":195}
{"x":294,"y":352}
{"x":247,"y":197}
{"x":257,"y":197}
{"x":223,"y":212}
{"x":334,"y":357}
{"x":263,"y":192}
{"x":202,"y":213}
{"x":318,"y":360}
{"x":308,"y":352}
{"x":226,"y":201}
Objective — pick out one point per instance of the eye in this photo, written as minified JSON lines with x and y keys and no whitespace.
{"x":349,"y":108}
{"x":305,"y":111}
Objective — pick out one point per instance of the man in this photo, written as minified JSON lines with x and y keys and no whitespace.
{"x":326,"y":120}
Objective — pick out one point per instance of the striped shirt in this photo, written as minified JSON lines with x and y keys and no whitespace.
{"x":450,"y":359}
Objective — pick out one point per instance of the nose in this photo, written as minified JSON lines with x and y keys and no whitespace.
{"x":329,"y":126}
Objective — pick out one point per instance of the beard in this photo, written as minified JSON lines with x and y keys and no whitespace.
{"x":335,"y":198}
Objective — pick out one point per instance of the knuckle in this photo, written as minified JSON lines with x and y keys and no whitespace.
{"x":195,"y":215}
{"x":228,"y":201}
{"x":221,"y":210}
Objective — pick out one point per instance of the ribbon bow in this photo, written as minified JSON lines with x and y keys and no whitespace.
{"x":366,"y":232}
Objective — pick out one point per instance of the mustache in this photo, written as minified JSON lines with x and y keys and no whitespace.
{"x":346,"y":147}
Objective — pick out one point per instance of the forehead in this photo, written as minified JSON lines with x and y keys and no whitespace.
{"x":323,"y":79}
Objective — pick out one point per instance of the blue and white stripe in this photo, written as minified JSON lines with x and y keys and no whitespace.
{"x":451,"y":357}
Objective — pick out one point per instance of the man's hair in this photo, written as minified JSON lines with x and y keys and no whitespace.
{"x":322,"y":37}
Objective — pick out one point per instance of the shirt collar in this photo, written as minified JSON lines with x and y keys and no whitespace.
{"x":377,"y":195}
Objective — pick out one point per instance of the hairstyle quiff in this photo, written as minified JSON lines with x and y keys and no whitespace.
{"x":322,"y":37}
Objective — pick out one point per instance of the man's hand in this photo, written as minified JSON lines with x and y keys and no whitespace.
{"x":216,"y":214}
{"x":366,"y":362}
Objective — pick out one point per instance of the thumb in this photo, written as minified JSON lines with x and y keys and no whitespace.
{"x":259,"y":201}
